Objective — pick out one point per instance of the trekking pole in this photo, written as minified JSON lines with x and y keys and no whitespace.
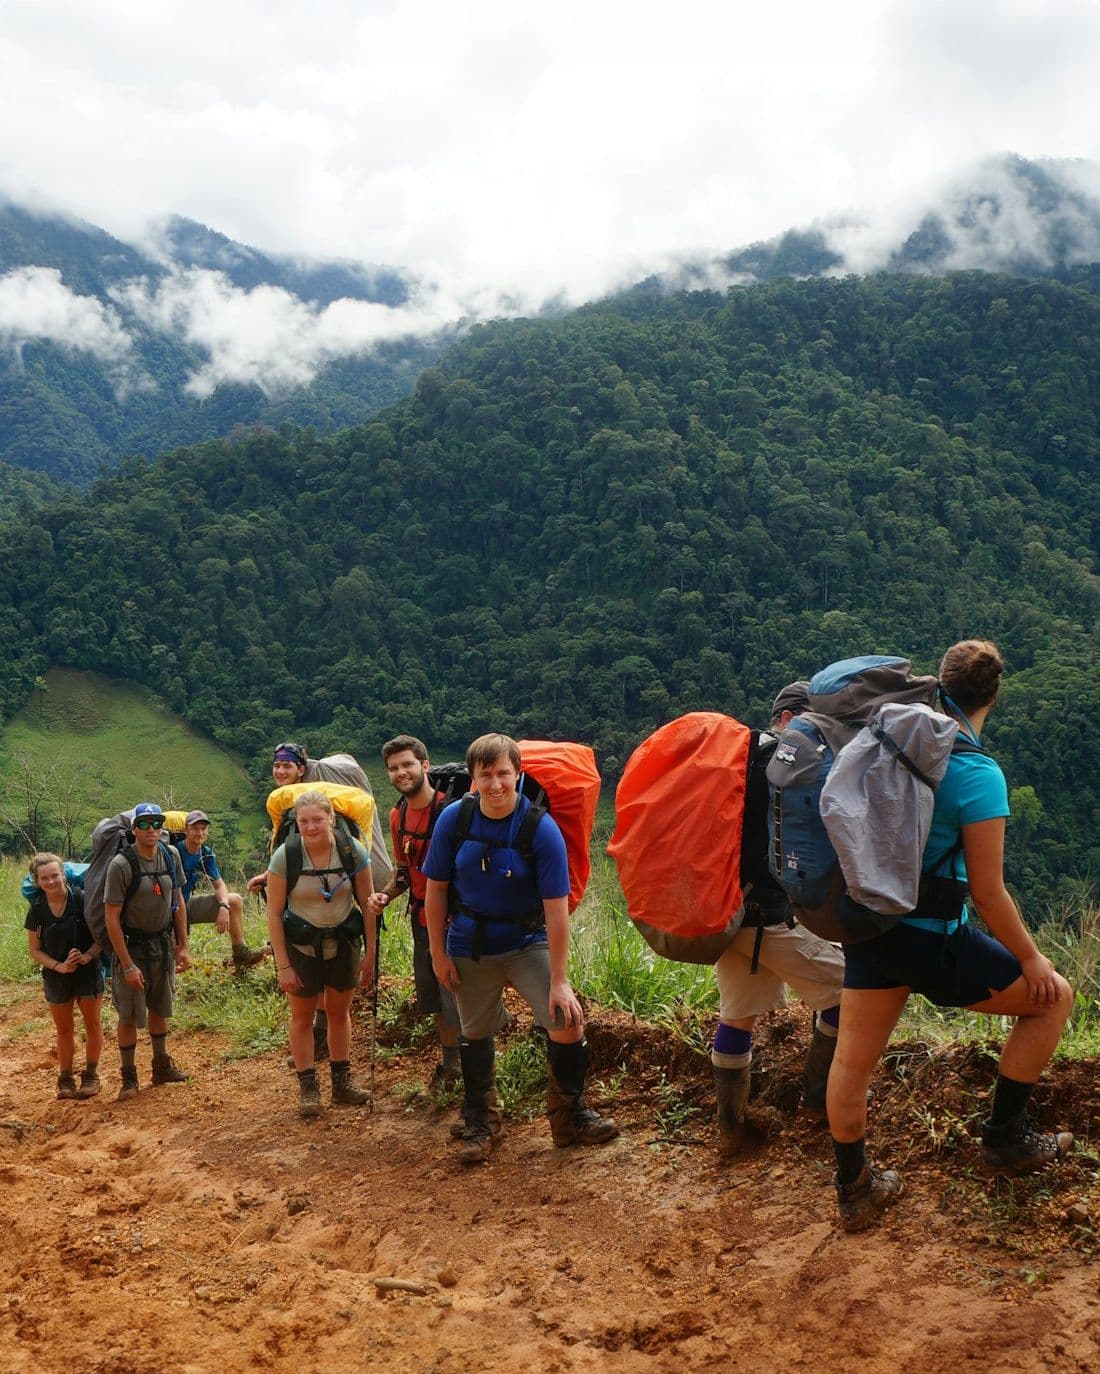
{"x":374,"y":1009}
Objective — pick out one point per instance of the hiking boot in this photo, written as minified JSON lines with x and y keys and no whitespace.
{"x":320,"y":1036}
{"x":166,"y":1070}
{"x":309,"y":1096}
{"x":731,"y":1095}
{"x":66,"y":1086}
{"x":481,"y":1123}
{"x":815,"y":1074}
{"x":344,"y":1089}
{"x":89,"y":1083}
{"x":860,"y":1202}
{"x":243,"y":957}
{"x":479,"y":1130}
{"x":571,"y":1121}
{"x":129,"y":1083}
{"x":1026,"y":1151}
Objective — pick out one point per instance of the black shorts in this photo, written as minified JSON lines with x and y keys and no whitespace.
{"x":61,"y":988}
{"x":340,"y":973}
{"x":968,"y":966}
{"x":431,"y":999}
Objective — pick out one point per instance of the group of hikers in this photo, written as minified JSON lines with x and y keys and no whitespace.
{"x":488,"y":891}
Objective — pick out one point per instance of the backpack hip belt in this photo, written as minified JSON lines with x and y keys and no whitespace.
{"x":133,"y":936}
{"x":528,"y":921}
{"x":299,"y":931}
{"x":760,"y":914}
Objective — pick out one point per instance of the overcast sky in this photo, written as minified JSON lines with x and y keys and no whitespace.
{"x":519,"y":147}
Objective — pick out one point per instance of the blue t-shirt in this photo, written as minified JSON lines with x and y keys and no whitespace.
{"x":195,"y":865}
{"x":973,"y":789}
{"x":497,"y":879}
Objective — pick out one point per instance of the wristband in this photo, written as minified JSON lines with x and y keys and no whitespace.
{"x":131,"y":969}
{"x":223,"y":904}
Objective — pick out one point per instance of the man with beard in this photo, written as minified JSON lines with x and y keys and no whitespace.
{"x":412,"y":821}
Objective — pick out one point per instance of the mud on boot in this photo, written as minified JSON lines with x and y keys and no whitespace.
{"x":66,"y":1086}
{"x":243,"y":957}
{"x":861,"y":1202}
{"x":89,"y":1083}
{"x":129,"y":1086}
{"x":345,"y":1090}
{"x":480,"y":1116}
{"x":309,"y":1095}
{"x":571,"y":1121}
{"x":1021,"y":1149}
{"x":815,"y":1074}
{"x":731,"y":1096}
{"x":479,"y":1131}
{"x":166,"y":1070}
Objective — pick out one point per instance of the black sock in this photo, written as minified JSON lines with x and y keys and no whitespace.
{"x":339,"y":1066}
{"x":1010,"y":1099}
{"x":91,"y":1066}
{"x":851,"y":1159}
{"x":307,"y":1077}
{"x":160,"y":1043}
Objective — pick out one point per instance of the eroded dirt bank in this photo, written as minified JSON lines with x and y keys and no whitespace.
{"x":203,"y":1227}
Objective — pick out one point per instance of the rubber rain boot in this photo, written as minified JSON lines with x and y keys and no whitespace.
{"x":571,"y":1121}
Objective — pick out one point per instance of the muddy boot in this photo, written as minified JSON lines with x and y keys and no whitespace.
{"x":344,"y":1089}
{"x":815,"y":1075}
{"x":731,"y":1095}
{"x":1013,"y":1150}
{"x":66,"y":1085}
{"x":320,"y":1036}
{"x":861,"y":1202}
{"x":243,"y":957}
{"x":571,"y":1122}
{"x":166,"y":1070}
{"x":309,"y":1095}
{"x":89,"y":1081}
{"x":447,"y":1074}
{"x":480,"y":1116}
{"x":129,"y":1083}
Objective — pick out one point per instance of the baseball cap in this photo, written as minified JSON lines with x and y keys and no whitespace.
{"x":194,"y":816}
{"x":794,"y":697}
{"x":147,"y":809}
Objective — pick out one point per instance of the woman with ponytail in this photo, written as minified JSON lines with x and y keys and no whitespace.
{"x":939,"y":953}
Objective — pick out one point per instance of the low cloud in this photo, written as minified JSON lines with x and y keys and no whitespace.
{"x":37,"y":306}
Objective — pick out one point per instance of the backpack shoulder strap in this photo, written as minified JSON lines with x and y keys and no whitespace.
{"x":346,"y":850}
{"x":525,"y":836}
{"x":292,"y":849}
{"x":465,"y":819}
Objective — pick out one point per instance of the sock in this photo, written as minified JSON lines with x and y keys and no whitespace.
{"x":307,"y":1078}
{"x":336,"y":1067}
{"x":828,"y":1021}
{"x":732,"y":1048}
{"x":160,"y":1043}
{"x":851,"y":1160}
{"x":126,"y":1054}
{"x":1010,"y":1099}
{"x":91,"y":1066}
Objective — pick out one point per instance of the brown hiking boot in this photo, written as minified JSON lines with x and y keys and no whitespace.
{"x":309,"y":1096}
{"x":344,"y":1088}
{"x":89,"y":1083}
{"x":129,"y":1084}
{"x":480,"y":1128}
{"x":66,"y":1086}
{"x":873,"y":1191}
{"x":166,"y":1070}
{"x":243,"y":957}
{"x":1025,"y":1152}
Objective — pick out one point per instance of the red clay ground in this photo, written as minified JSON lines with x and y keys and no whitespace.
{"x":204,"y":1227}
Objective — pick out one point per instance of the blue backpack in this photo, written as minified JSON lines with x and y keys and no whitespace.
{"x":844,"y":697}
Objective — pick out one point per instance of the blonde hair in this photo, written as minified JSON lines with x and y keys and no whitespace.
{"x":40,"y":860}
{"x":315,"y":798}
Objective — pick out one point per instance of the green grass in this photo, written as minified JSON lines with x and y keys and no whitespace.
{"x":110,"y":744}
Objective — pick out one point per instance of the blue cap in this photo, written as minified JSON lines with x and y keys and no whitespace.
{"x":147,"y":809}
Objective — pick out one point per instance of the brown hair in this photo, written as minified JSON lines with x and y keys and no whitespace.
{"x":38,"y":861}
{"x":486,"y":749}
{"x":402,"y":742}
{"x":970,"y":673}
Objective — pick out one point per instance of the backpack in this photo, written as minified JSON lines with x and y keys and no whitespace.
{"x":562,"y":778}
{"x":354,"y":811}
{"x":112,"y":836}
{"x":679,"y":813}
{"x":858,"y":768}
{"x":449,"y":782}
{"x":346,"y":769}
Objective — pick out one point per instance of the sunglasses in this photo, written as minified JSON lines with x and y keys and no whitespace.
{"x":290,"y":747}
{"x":150,"y":823}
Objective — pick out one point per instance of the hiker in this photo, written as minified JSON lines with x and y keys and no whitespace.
{"x":412,"y":821}
{"x":770,"y":950}
{"x":939,"y":953}
{"x":150,"y":948}
{"x":509,"y":925}
{"x":60,"y":942}
{"x":291,"y":763}
{"x":316,"y":928}
{"x":222,"y":908}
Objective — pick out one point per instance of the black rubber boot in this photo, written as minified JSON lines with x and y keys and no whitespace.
{"x":481,"y":1119}
{"x":815,"y":1075}
{"x":571,"y":1122}
{"x":731,"y":1096}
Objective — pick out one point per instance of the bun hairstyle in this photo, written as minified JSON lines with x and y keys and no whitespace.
{"x":970,"y":673}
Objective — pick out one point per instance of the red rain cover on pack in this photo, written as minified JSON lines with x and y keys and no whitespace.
{"x":568,"y":775}
{"x":679,"y":809}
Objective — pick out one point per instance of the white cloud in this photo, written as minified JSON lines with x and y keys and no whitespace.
{"x":35,"y":304}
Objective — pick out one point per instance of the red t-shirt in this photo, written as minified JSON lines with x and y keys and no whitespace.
{"x":410,"y":848}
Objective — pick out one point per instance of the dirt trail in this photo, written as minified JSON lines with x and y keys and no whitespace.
{"x":203,"y":1227}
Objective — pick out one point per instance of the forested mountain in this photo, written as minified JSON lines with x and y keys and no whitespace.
{"x":108,"y":350}
{"x":584,"y":526}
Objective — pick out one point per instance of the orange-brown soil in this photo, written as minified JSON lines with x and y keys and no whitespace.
{"x":203,"y":1227}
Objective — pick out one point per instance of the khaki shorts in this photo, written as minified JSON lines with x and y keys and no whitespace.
{"x":202,"y":911}
{"x":157,"y":960}
{"x":480,"y":995}
{"x":811,"y":966}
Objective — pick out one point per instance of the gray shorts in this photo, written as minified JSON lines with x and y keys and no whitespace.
{"x":480,"y":995}
{"x":431,"y":999}
{"x":157,"y":960}
{"x":202,"y":911}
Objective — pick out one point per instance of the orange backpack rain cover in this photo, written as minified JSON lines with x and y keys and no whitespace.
{"x":571,"y":780}
{"x":679,"y":808}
